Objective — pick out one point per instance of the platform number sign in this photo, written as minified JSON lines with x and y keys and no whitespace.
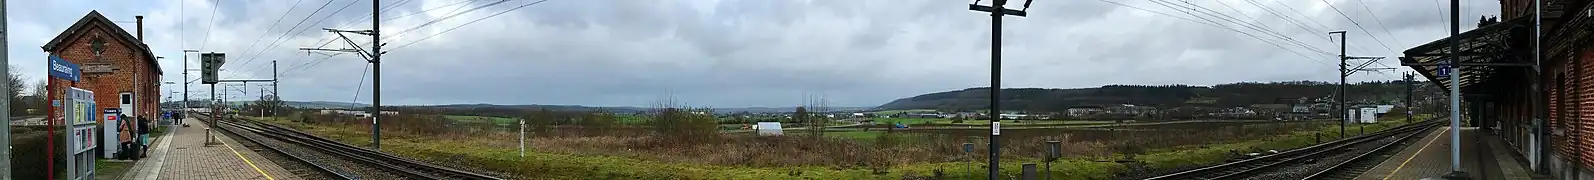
{"x":1444,"y":70}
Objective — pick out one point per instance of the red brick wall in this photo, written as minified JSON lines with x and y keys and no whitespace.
{"x":1583,"y":126}
{"x":124,"y":56}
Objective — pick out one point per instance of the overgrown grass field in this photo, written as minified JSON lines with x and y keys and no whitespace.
{"x":632,"y":152}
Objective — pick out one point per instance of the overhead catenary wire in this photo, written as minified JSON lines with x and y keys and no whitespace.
{"x":274,"y":25}
{"x":1225,"y":17}
{"x":1359,"y":26}
{"x":1380,"y":22}
{"x":1289,"y":19}
{"x":1218,"y":26}
{"x":468,"y":23}
{"x":1323,"y":28}
{"x":451,"y":14}
{"x":447,"y":17}
{"x":210,"y":25}
{"x":301,"y":31}
{"x":285,"y":34}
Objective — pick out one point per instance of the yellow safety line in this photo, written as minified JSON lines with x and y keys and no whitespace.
{"x":246,"y":160}
{"x":1419,"y":152}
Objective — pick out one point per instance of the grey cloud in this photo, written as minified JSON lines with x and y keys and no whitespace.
{"x":763,"y":53}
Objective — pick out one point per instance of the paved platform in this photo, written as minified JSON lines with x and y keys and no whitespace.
{"x":1429,"y":158}
{"x":182,"y":154}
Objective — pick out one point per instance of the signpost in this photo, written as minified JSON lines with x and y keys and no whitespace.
{"x":60,"y":68}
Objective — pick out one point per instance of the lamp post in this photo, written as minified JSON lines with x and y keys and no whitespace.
{"x":997,"y":11}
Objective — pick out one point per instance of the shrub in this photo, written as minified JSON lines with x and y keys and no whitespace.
{"x":685,"y":125}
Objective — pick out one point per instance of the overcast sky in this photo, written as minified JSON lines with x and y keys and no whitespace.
{"x":740,"y":53}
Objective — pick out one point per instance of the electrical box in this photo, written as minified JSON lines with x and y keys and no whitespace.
{"x":210,"y":65}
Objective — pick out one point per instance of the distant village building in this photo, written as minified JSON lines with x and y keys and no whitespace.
{"x":1081,"y":111}
{"x":1131,"y":110}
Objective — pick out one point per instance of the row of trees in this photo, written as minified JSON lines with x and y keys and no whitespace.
{"x":1165,"y":96}
{"x":20,"y":103}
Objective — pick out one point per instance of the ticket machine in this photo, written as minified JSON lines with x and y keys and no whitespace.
{"x":109,"y":144}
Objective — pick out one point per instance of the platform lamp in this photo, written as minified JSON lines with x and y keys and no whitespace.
{"x":1054,"y":150}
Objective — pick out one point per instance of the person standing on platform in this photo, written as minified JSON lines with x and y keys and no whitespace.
{"x":124,"y":133}
{"x":143,"y":136}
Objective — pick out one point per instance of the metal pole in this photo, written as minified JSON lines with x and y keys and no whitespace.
{"x":1339,"y":96}
{"x":1543,"y":111}
{"x":278,"y":105}
{"x":376,"y":75}
{"x":1409,"y":78}
{"x":215,"y":113}
{"x":996,"y":87}
{"x":5,"y":131}
{"x":1455,"y":89}
{"x":185,"y":88}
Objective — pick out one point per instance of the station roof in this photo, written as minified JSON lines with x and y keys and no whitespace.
{"x":1485,"y":51}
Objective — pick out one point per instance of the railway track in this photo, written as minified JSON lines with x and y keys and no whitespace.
{"x":348,"y":161}
{"x":1311,"y":161}
{"x":304,"y":165}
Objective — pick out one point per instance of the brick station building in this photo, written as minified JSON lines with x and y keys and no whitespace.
{"x":116,"y":65}
{"x":1546,"y":116}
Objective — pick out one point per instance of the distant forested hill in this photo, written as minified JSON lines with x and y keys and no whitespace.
{"x":1223,"y":95}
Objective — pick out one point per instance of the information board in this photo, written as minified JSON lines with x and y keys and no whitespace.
{"x":79,"y":112}
{"x":84,"y":140}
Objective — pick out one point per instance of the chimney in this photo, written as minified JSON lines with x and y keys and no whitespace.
{"x":140,"y":27}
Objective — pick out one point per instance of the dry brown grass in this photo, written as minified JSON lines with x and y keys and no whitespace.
{"x":884,"y":151}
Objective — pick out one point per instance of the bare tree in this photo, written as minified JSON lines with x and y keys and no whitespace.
{"x":38,"y":102}
{"x":815,"y":114}
{"x":16,"y":87}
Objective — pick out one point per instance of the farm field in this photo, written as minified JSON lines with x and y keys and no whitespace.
{"x":579,"y":153}
{"x":947,"y":121}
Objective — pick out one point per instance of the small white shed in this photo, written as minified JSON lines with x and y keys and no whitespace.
{"x":768,"y":128}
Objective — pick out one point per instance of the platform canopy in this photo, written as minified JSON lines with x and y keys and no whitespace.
{"x":1485,"y":52}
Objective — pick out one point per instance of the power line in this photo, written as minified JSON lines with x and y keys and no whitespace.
{"x":301,"y":31}
{"x":1214,"y":25}
{"x":212,"y":24}
{"x":306,"y":65}
{"x":468,"y":23}
{"x":285,"y":34}
{"x":450,"y":16}
{"x":1303,"y":15}
{"x":274,"y":25}
{"x":1391,"y":34}
{"x":459,"y":4}
{"x":1232,"y":19}
{"x":1288,"y":19}
{"x":1441,"y":10}
{"x":1359,"y":26}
